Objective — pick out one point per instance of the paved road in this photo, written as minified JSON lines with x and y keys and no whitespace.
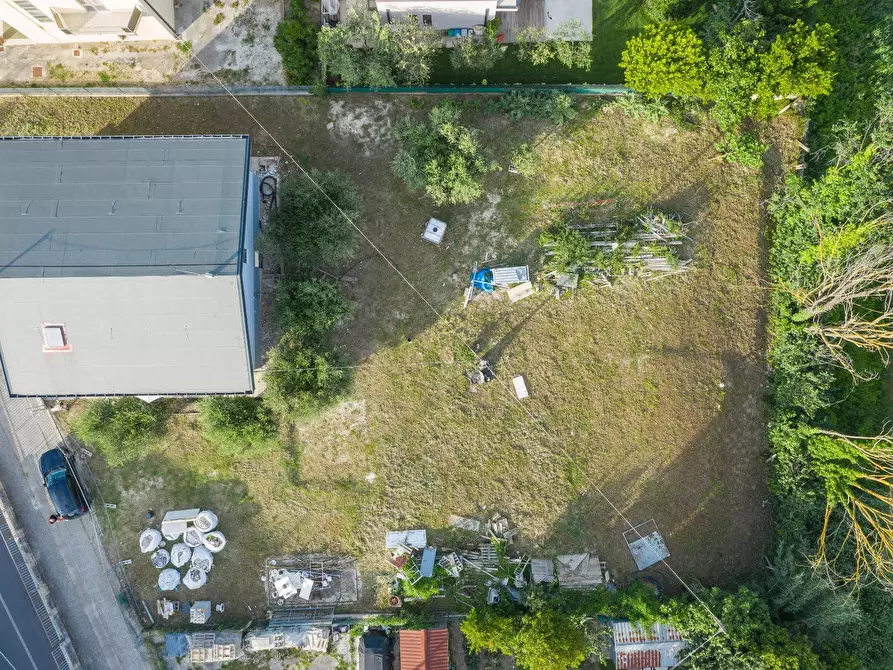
{"x":68,"y":554}
{"x":23,"y":643}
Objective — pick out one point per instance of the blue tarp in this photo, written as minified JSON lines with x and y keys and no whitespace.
{"x":482,"y":280}
{"x":175,"y":645}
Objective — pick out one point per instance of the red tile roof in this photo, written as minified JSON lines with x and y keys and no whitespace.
{"x":425,"y":649}
{"x":636,"y":660}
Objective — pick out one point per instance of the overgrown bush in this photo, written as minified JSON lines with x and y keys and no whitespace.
{"x":556,"y":106}
{"x":238,"y":426}
{"x":662,"y":11}
{"x":571,"y":250}
{"x":442,"y":157}
{"x":478,"y":54}
{"x":664,"y":60}
{"x":569,"y":44}
{"x":526,"y":160}
{"x":295,"y":41}
{"x":638,"y":107}
{"x":302,"y":379}
{"x":362,"y":51}
{"x":312,"y":306}
{"x":121,"y":429}
{"x":308,"y":230}
{"x":744,"y":149}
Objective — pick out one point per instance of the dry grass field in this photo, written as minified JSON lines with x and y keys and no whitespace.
{"x":655,"y":389}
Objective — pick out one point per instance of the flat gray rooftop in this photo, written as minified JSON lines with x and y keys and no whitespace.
{"x":121,"y":206}
{"x":127,"y":251}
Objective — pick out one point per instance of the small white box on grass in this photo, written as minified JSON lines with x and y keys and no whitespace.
{"x":520,"y":387}
{"x":434,"y":231}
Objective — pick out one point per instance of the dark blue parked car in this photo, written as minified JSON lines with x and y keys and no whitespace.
{"x":61,"y":485}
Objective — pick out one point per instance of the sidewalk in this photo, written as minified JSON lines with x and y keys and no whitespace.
{"x":69,"y":555}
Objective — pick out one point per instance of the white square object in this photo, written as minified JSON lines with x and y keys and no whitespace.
{"x":520,"y":387}
{"x":434,"y":231}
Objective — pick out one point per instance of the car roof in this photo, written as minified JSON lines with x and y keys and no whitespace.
{"x":51,"y":459}
{"x":63,"y":496}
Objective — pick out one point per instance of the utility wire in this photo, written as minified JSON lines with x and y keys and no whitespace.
{"x":455,"y":334}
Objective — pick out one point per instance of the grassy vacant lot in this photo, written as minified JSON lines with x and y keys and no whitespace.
{"x":654,"y":388}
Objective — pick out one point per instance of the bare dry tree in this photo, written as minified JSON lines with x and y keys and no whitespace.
{"x":852,"y":301}
{"x":858,"y":473}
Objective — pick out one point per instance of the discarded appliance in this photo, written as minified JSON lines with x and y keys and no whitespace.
{"x":413,"y":539}
{"x":646,"y":544}
{"x":434,"y":231}
{"x":283,"y":589}
{"x":428,"y":557}
{"x":520,"y":387}
{"x":200,"y":612}
{"x":176,"y":522}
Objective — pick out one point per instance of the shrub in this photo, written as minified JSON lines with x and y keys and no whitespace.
{"x":364,"y":52}
{"x":664,"y":60}
{"x":800,"y":61}
{"x":295,"y":41}
{"x":477,"y":54}
{"x":301,"y":379}
{"x":553,"y":105}
{"x":744,"y":149}
{"x":237,"y":426}
{"x":441,"y":157}
{"x":637,"y":107}
{"x":311,"y":306}
{"x":525,"y":160}
{"x":308,"y":230}
{"x":661,"y":11}
{"x":569,"y":44}
{"x":122,"y":429}
{"x":571,"y":250}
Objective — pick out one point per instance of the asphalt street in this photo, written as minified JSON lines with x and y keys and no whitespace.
{"x":69,"y":554}
{"x":23,"y":642}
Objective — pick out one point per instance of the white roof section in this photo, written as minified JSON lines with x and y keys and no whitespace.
{"x":127,"y":336}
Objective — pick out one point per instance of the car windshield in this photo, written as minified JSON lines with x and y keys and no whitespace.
{"x":56,"y":476}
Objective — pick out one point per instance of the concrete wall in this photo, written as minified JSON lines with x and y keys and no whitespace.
{"x":35,"y":21}
{"x":445,"y":14}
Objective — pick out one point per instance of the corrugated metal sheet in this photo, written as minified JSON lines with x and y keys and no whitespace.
{"x":635,"y":647}
{"x":121,"y":205}
{"x":637,"y":660}
{"x":425,"y":649}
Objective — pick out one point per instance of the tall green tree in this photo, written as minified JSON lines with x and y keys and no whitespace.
{"x":664,"y":60}
{"x":442,"y":157}
{"x":800,"y":61}
{"x":309,"y":228}
{"x":295,"y":41}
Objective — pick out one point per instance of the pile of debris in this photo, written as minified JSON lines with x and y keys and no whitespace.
{"x":200,"y":541}
{"x":318,"y":578}
{"x":503,"y":570}
{"x":650,"y":245}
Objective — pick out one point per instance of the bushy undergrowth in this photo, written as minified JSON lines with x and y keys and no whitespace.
{"x":238,"y":426}
{"x":556,"y":106}
{"x":122,"y":429}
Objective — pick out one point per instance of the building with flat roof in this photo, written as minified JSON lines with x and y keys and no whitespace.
{"x":127,"y":266}
{"x":81,"y":21}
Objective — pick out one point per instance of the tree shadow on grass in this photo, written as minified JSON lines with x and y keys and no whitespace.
{"x":709,"y":501}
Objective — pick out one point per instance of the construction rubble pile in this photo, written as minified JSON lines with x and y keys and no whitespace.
{"x":195,"y":543}
{"x":490,"y":558}
{"x":297,"y":580}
